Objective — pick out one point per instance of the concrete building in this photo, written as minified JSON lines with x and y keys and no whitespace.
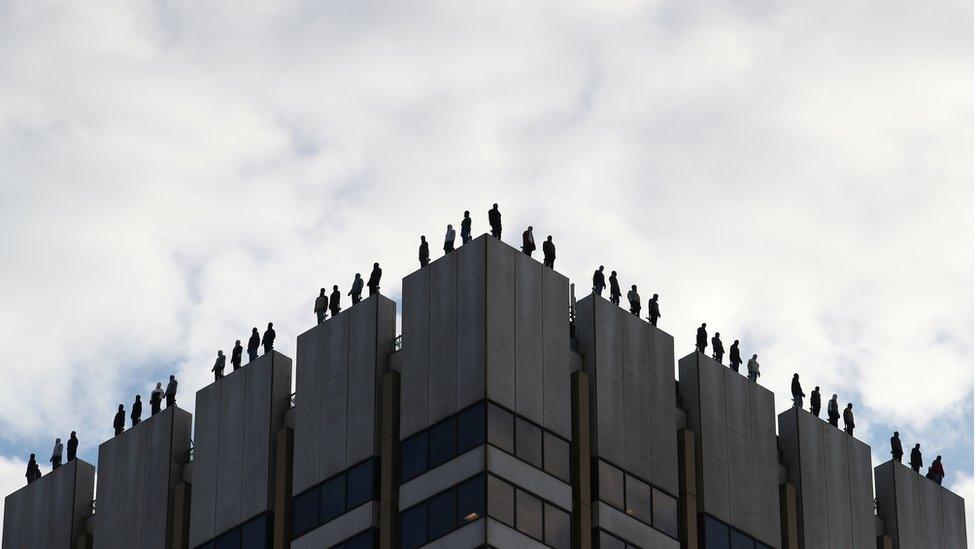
{"x":51,"y":511}
{"x":916,"y":511}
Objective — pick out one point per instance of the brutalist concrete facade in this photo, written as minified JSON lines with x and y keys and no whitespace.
{"x":51,"y":511}
{"x":916,"y":511}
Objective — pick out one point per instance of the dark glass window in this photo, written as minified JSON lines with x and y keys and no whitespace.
{"x":365,"y":540}
{"x":557,"y":456}
{"x":305,"y":512}
{"x":333,"y":498}
{"x":501,"y":429}
{"x":528,"y":442}
{"x":609,"y":542}
{"x":716,"y":534}
{"x":638,"y":499}
{"x":665,"y":513}
{"x":443,"y":441}
{"x":442,"y":510}
{"x":471,"y":500}
{"x":208,"y":545}
{"x":471,"y":428}
{"x":741,"y":541}
{"x":255,"y":533}
{"x":229,"y":540}
{"x":501,"y":501}
{"x":413,"y":527}
{"x":611,"y":484}
{"x":413,"y":458}
{"x":559,"y":530}
{"x":360,"y":484}
{"x":528,"y":514}
{"x":761,"y":545}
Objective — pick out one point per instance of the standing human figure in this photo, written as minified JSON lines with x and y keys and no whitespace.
{"x":635,"y":301}
{"x":915,"y":460}
{"x":72,"y":446}
{"x":253,"y":343}
{"x":718,"y":350}
{"x":753,"y":367}
{"x":171,"y":392}
{"x":614,"y":289}
{"x":599,"y":283}
{"x":701,"y":338}
{"x":374,"y":279}
{"x":833,"y":413}
{"x":119,"y":422}
{"x":549,"y":253}
{"x":357,"y":289}
{"x":235,"y":355}
{"x":896,"y":450}
{"x":466,"y":227}
{"x":156,"y":398}
{"x":321,"y":306}
{"x":849,"y":419}
{"x":449,"y":240}
{"x":268,"y":339}
{"x":653,"y":310}
{"x":734,"y":358}
{"x":797,"y":392}
{"x":936,"y":472}
{"x":528,"y":242}
{"x":136,"y":414}
{"x":56,"y":454}
{"x":218,"y":367}
{"x":334,"y":298}
{"x":424,"y":252}
{"x":33,"y":471}
{"x":815,"y":401}
{"x":495,"y":221}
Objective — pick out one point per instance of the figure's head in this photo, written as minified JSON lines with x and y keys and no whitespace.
{"x":376,"y":265}
{"x":159,"y":384}
{"x":717,"y":334}
{"x":466,"y":213}
{"x":754,"y":357}
{"x":654,"y":297}
{"x":449,"y":226}
{"x":850,"y":405}
{"x":172,"y":378}
{"x":32,"y":457}
{"x":423,"y":238}
{"x":834,"y":397}
{"x":601,"y":268}
{"x":270,"y":325}
{"x":254,"y":330}
{"x":57,"y":441}
{"x":613,"y":273}
{"x":238,"y":342}
{"x":938,"y":458}
{"x":817,"y":388}
{"x":918,"y":445}
{"x":220,"y":353}
{"x":138,"y":398}
{"x":796,"y":376}
{"x":736,"y":342}
{"x":358,"y":275}
{"x":495,"y":206}
{"x":703,"y":325}
{"x":896,"y":434}
{"x":549,"y":238}
{"x":121,"y":407}
{"x":72,"y":434}
{"x":335,"y":287}
{"x":322,"y":291}
{"x":633,"y":287}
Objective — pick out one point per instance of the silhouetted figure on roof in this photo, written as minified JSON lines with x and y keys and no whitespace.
{"x":635,"y":301}
{"x":235,"y":356}
{"x":171,"y":388}
{"x":334,"y":298}
{"x":936,"y":472}
{"x":815,"y":401}
{"x":33,"y":471}
{"x":466,"y":227}
{"x":495,"y":221}
{"x":849,"y":419}
{"x":321,"y":306}
{"x":549,"y":253}
{"x":268,"y":339}
{"x":718,"y":350}
{"x":528,"y":242}
{"x":119,"y":422}
{"x":797,"y":392}
{"x":156,"y":398}
{"x":735,"y":359}
{"x":599,"y":283}
{"x":753,"y":367}
{"x":614,"y":289}
{"x":136,"y":414}
{"x":424,"y":252}
{"x":701,"y":338}
{"x":374,"y":279}
{"x":915,"y":460}
{"x":833,"y":413}
{"x":56,"y":454}
{"x":253,"y":344}
{"x":653,"y":310}
{"x":449,"y":240}
{"x":218,"y":367}
{"x":357,"y":289}
{"x":72,"y":446}
{"x":896,"y":451}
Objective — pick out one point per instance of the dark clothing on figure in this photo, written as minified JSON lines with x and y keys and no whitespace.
{"x":374,"y":281}
{"x":548,"y":254}
{"x":156,"y":400}
{"x":252,"y":346}
{"x":268,"y":340}
{"x":357,"y":290}
{"x":528,"y":243}
{"x":635,"y":302}
{"x":936,"y":472}
{"x":815,"y":402}
{"x":701,"y":340}
{"x":734,"y":359}
{"x":832,"y":414}
{"x":321,"y":306}
{"x":33,"y":471}
{"x":56,"y":455}
{"x":614,"y":290}
{"x":218,"y":368}
{"x":119,"y":423}
{"x":495,"y":221}
{"x":465,"y":230}
{"x":797,"y":392}
{"x":235,"y":357}
{"x":72,"y":448}
{"x":424,"y":254}
{"x":849,"y":421}
{"x":171,"y":393}
{"x":896,"y":451}
{"x":654,"y":311}
{"x":916,"y":459}
{"x":599,"y":283}
{"x":334,"y":303}
{"x":136,"y":414}
{"x":718,"y":350}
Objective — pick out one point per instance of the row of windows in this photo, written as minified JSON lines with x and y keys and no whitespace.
{"x":636,"y":498}
{"x":334,"y":497}
{"x":718,"y":535}
{"x":443,"y":513}
{"x":605,"y":540}
{"x":253,"y":534}
{"x":528,"y":442}
{"x":528,"y":514}
{"x":363,"y":540}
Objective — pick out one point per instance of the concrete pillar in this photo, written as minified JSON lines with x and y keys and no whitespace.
{"x":916,"y":511}
{"x":51,"y":511}
{"x":789,"y":516}
{"x":580,"y":461}
{"x":688,"y":494}
{"x":284,"y":450}
{"x":180,"y":531}
{"x":389,"y":462}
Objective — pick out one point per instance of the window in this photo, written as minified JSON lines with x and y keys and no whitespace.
{"x":501,"y":501}
{"x":611,"y":484}
{"x":741,"y":541}
{"x":716,"y":534}
{"x":559,"y":530}
{"x":528,"y":442}
{"x":638,"y":499}
{"x":665,"y":513}
{"x":442,"y":511}
{"x":305,"y":512}
{"x":557,"y":457}
{"x":413,"y":527}
{"x":360,"y":484}
{"x":255,"y":533}
{"x":528,"y":514}
{"x":443,"y":441}
{"x":333,"y":498}
{"x":609,"y":542}
{"x":470,"y":500}
{"x":501,"y":430}
{"x":471,"y":428}
{"x":413,"y":456}
{"x":230,"y":540}
{"x":365,"y":540}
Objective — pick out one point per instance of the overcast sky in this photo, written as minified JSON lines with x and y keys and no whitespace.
{"x":797,"y":174}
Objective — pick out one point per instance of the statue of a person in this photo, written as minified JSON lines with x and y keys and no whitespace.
{"x":374,"y":279}
{"x":735,"y":359}
{"x":119,"y":422}
{"x":218,"y":367}
{"x":424,"y":252}
{"x":252,"y":345}
{"x":321,"y":306}
{"x":528,"y":242}
{"x":136,"y":414}
{"x":268,"y":339}
{"x":653,"y":310}
{"x":701,"y":338}
{"x":495,"y":221}
{"x":599,"y":283}
{"x":634,"y":299}
{"x":156,"y":398}
{"x":718,"y":350}
{"x":549,"y":253}
{"x":466,"y":227}
{"x":334,"y":307}
{"x":357,"y":289}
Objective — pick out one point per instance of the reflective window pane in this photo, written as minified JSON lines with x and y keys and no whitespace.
{"x":365,"y":540}
{"x":471,"y":428}
{"x":230,"y":540}
{"x":611,"y":484}
{"x":413,"y":527}
{"x":528,"y":442}
{"x":443,"y":441}
{"x":413,"y":456}
{"x":609,"y":542}
{"x":333,"y":498}
{"x":442,"y":509}
{"x":501,"y":501}
{"x":559,"y":530}
{"x":741,"y":541}
{"x":557,"y":456}
{"x":528,"y":514}
{"x":360,"y":484}
{"x":470,"y":500}
{"x":638,"y":499}
{"x":665,"y":513}
{"x":305,"y":512}
{"x":501,"y":429}
{"x":255,"y":533}
{"x":716,"y":534}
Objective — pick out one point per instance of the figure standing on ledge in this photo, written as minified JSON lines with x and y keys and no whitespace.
{"x":72,"y":446}
{"x":528,"y":242}
{"x":136,"y":414}
{"x":268,"y":339}
{"x":171,"y":392}
{"x":549,"y":253}
{"x":495,"y":221}
{"x":916,"y":458}
{"x":156,"y":398}
{"x":374,"y":279}
{"x":449,"y":240}
{"x":235,"y":355}
{"x":252,"y":345}
{"x":321,"y":306}
{"x":56,"y":454}
{"x":833,"y":414}
{"x":718,"y":350}
{"x":334,"y":307}
{"x":635,"y":301}
{"x":701,"y":339}
{"x":753,"y":367}
{"x":357,"y":289}
{"x":849,"y":419}
{"x":33,"y":471}
{"x":797,"y":392}
{"x":653,"y":310}
{"x":599,"y":283}
{"x":466,"y":228}
{"x":734,"y":358}
{"x":424,"y":253}
{"x":119,"y":422}
{"x":815,"y":401}
{"x":614,"y":289}
{"x":896,"y":451}
{"x":936,"y":472}
{"x":218,"y":367}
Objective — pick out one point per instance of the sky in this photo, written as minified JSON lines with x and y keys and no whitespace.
{"x":799,"y":175}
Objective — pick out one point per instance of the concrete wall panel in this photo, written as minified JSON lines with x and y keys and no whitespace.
{"x":132,"y":486}
{"x":230,"y":451}
{"x":61,"y":504}
{"x":500,"y":298}
{"x":741,"y":455}
{"x":442,"y":342}
{"x":953,"y":519}
{"x":606,"y":378}
{"x":472,"y":316}
{"x":712,"y":431}
{"x":362,"y":386}
{"x":205,"y":465}
{"x":158,"y":467}
{"x":442,"y":477}
{"x":413,"y":380}
{"x":636,"y":385}
{"x":559,"y":362}
{"x":766,"y":465}
{"x":107,"y":492}
{"x":307,"y":462}
{"x":838,"y":509}
{"x":331,"y":533}
{"x":862,"y":494}
{"x":631,"y":529}
{"x":38,"y":508}
{"x":500,"y":535}
{"x":469,"y":537}
{"x":529,"y":478}
{"x":15,"y":520}
{"x":529,"y":387}
{"x":335,"y":379}
{"x":664,"y":438}
{"x":930,"y":512}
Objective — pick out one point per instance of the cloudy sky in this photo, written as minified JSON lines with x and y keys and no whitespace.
{"x":797,"y":174}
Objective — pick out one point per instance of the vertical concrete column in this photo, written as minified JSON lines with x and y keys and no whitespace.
{"x":390,"y":462}
{"x":51,"y":511}
{"x":916,"y":511}
{"x":688,"y":494}
{"x":580,"y":461}
{"x":284,"y":446}
{"x":180,"y":531}
{"x":789,"y":517}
